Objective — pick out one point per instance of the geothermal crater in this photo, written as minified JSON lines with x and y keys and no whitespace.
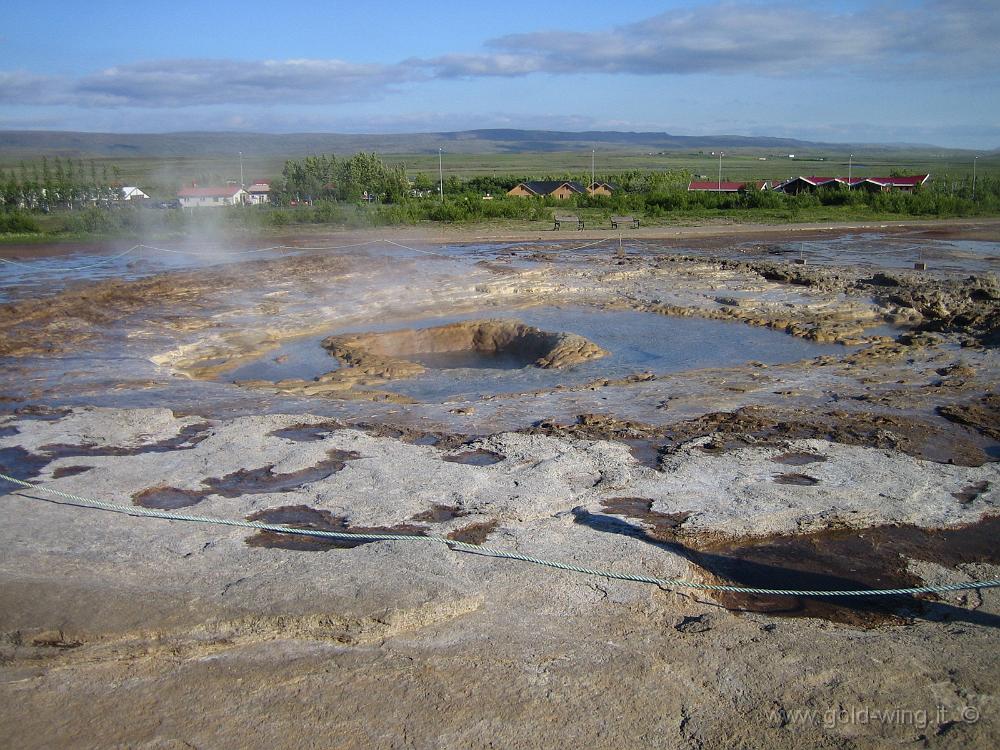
{"x":401,"y":352}
{"x":375,"y":358}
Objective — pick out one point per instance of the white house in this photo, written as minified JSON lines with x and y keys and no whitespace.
{"x":259,"y":193}
{"x":130,"y":193}
{"x":197,"y":197}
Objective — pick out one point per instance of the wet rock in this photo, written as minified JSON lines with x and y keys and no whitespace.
{"x":41,"y":413}
{"x":694,"y":624}
{"x":982,"y":414}
{"x":758,"y":425}
{"x":55,"y":639}
{"x":21,"y":464}
{"x":799,"y":480}
{"x":970,"y":305}
{"x":956,"y":370}
{"x":168,"y":498}
{"x":344,"y":388}
{"x":474,"y":533}
{"x":645,"y":452}
{"x":730,"y":301}
{"x":413,"y":436}
{"x":264,"y":479}
{"x":69,"y":471}
{"x":641,"y":509}
{"x":304,"y":517}
{"x":761,"y":425}
{"x":307,"y":432}
{"x":474,"y":458}
{"x":844,"y":559}
{"x":439,"y":514}
{"x":969,"y":494}
{"x":798,"y":459}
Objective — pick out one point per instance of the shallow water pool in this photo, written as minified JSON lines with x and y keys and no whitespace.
{"x":636,"y":342}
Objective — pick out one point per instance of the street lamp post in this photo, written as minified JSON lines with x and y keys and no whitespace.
{"x":720,"y":170}
{"x":593,"y":152}
{"x":850,"y":167}
{"x":440,"y":176}
{"x":242,"y":183}
{"x":974,"y":160}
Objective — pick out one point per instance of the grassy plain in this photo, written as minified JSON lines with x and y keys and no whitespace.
{"x":162,"y":176}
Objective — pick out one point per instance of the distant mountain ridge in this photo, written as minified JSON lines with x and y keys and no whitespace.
{"x":36,"y":143}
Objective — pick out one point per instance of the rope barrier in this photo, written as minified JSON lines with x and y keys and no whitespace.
{"x":134,"y":510}
{"x":407,"y":247}
{"x":237,"y":253}
{"x":101,"y":262}
{"x":260,"y":249}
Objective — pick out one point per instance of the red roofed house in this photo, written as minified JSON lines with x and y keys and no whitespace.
{"x":226,"y":195}
{"x":906,"y":184}
{"x":714,"y":186}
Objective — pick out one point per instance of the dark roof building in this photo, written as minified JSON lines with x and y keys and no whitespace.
{"x":800,"y":184}
{"x":553,"y":188}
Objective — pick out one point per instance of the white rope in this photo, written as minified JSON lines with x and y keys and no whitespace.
{"x":211,"y":253}
{"x":101,"y":262}
{"x":134,"y":510}
{"x":204,"y":252}
{"x":416,"y":250}
{"x":581,"y":247}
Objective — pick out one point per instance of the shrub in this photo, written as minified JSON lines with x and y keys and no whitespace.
{"x":17,"y":222}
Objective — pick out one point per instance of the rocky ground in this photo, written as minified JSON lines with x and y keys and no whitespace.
{"x":872,"y":467}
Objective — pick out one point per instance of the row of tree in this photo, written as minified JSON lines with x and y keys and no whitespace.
{"x":362,"y":176}
{"x":367,"y":176}
{"x":68,"y":184}
{"x":630,"y":181}
{"x":59,"y":183}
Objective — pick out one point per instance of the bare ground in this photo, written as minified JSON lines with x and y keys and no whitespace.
{"x":137,"y":633}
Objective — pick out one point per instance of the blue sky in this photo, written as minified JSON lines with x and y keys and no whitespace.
{"x":917,"y":71}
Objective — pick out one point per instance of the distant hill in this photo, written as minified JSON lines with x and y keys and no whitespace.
{"x":36,"y":143}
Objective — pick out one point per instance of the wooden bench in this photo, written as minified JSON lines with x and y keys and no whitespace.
{"x":560,"y":220}
{"x":618,"y":221}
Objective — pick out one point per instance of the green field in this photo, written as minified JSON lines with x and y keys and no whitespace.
{"x":661,"y":200}
{"x":162,"y":176}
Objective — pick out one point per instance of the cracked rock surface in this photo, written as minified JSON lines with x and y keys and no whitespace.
{"x":871,"y":463}
{"x":183,"y":612}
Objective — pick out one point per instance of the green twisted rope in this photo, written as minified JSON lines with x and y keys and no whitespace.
{"x":134,"y":510}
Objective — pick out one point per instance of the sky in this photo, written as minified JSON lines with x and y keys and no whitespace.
{"x":850,"y":71}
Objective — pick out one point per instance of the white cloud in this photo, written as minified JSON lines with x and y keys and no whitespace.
{"x":174,"y":83}
{"x":22,"y":87}
{"x":195,"y":82}
{"x":939,"y":36}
